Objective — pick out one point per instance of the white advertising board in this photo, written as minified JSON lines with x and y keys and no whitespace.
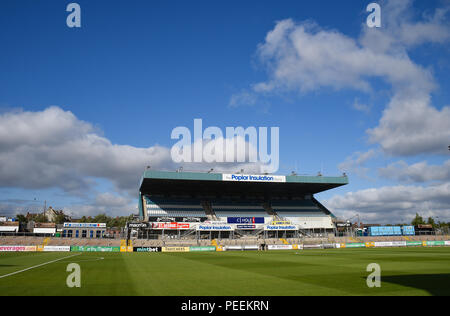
{"x":44,"y":230}
{"x":253,"y":178}
{"x":57,"y":248}
{"x":390,"y":244}
{"x":279,"y":247}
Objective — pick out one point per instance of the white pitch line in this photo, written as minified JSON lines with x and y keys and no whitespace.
{"x":37,"y":266}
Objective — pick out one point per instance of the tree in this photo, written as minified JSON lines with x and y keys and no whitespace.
{"x":40,"y":218}
{"x":431,"y":222}
{"x":418,"y":220}
{"x":60,"y":218}
{"x":21,"y":218}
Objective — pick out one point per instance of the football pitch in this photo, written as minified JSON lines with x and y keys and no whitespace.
{"x":404,"y":271}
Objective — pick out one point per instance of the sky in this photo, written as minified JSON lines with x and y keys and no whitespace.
{"x":84,"y":110}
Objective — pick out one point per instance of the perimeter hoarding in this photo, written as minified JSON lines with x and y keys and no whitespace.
{"x":94,"y":249}
{"x":413,"y":243}
{"x":57,"y":248}
{"x":390,"y":244}
{"x":175,"y":249}
{"x":279,"y":247}
{"x":435,"y":243}
{"x":17,"y":248}
{"x":202,"y":248}
{"x":355,"y":245}
{"x":147,"y":249}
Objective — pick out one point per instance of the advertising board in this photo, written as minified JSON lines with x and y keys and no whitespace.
{"x":214,"y":227}
{"x":280,"y":227}
{"x":175,"y":249}
{"x":252,"y":178}
{"x":171,"y":226}
{"x":245,"y":220}
{"x":94,"y":249}
{"x":202,"y":248}
{"x":57,"y":248}
{"x":279,"y":247}
{"x":355,"y":245}
{"x":17,"y":248}
{"x":146,"y":249}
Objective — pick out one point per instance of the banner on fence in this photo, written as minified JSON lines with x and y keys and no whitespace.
{"x":435,"y":243}
{"x":355,"y":245}
{"x":202,"y":248}
{"x":312,"y":246}
{"x":413,"y":243}
{"x":57,"y":248}
{"x":17,"y":248}
{"x":94,"y":249}
{"x":175,"y":249}
{"x":390,"y":244}
{"x":146,"y":249}
{"x":279,"y":247}
{"x":228,"y":248}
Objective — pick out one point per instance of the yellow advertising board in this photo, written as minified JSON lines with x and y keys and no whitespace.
{"x":277,"y":223}
{"x":175,"y":249}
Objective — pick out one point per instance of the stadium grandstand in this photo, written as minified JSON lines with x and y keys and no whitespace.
{"x":215,"y":205}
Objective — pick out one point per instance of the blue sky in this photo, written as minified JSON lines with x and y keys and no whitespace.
{"x":110,"y":92}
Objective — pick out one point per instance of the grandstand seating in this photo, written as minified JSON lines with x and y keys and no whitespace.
{"x":297,"y":206}
{"x":173,"y":207}
{"x":224,"y":209}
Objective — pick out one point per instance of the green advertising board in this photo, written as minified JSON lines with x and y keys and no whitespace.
{"x":413,"y":243}
{"x":355,"y":245}
{"x":435,"y":243}
{"x":94,"y":249}
{"x":204,"y":248}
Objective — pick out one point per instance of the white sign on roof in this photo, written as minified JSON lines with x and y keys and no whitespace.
{"x":85,"y":225}
{"x":253,"y":178}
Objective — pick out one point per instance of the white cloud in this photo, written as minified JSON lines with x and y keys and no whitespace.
{"x":393,"y":204}
{"x":356,"y":162}
{"x":418,"y":172}
{"x":361,"y":106}
{"x":400,"y":31}
{"x":244,"y":98}
{"x":304,"y":57}
{"x":54,"y":149}
{"x":411,"y":125}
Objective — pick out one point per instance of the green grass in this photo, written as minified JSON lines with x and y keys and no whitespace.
{"x":404,"y":271}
